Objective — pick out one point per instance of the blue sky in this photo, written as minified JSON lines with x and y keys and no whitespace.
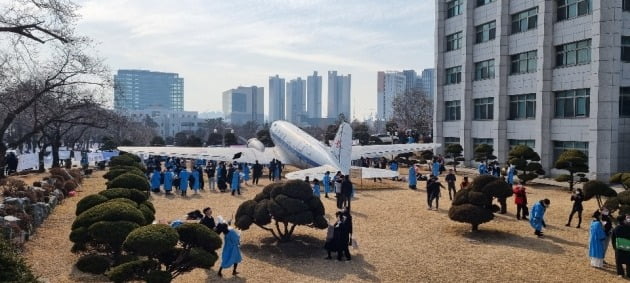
{"x":217,"y":45}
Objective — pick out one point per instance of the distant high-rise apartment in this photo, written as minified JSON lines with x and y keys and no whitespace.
{"x":244,"y":104}
{"x":410,"y":79}
{"x":142,"y":89}
{"x":314,"y":96}
{"x":426,"y":82}
{"x":276,"y":99}
{"x":296,"y":100}
{"x":339,"y":95}
{"x":552,"y":75}
{"x":389,"y":85}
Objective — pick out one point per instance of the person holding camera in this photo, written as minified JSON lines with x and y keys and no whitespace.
{"x":577,"y":197}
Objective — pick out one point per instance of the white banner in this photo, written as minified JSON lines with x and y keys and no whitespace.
{"x":27,"y":161}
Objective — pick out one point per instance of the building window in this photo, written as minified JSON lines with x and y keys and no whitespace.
{"x":572,"y":103}
{"x":575,"y":53}
{"x":484,"y":70}
{"x":450,"y":140}
{"x":626,"y":5}
{"x":624,"y":102}
{"x":454,"y":41}
{"x":454,"y":8}
{"x":484,"y":108}
{"x":530,"y":143}
{"x":478,"y":141}
{"x":569,"y":9}
{"x":525,"y":20}
{"x":484,"y":2}
{"x":485,"y":32}
{"x":625,"y":48}
{"x":523,"y":106}
{"x":561,"y":146}
{"x":454,"y":75}
{"x":524,"y":63}
{"x":452,"y":111}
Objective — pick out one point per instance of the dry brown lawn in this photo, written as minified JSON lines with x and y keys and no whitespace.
{"x":399,"y":241}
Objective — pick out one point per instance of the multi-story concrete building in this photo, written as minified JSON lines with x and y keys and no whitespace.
{"x":141,"y":89}
{"x":410,"y":79}
{"x":314,"y":96}
{"x":554,"y":75}
{"x":389,"y":85}
{"x":339,"y":95}
{"x":276,"y":98}
{"x":426,"y":82}
{"x":244,"y":104}
{"x":296,"y":100}
{"x":168,"y":122}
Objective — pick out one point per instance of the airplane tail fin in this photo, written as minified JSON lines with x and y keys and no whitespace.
{"x":341,"y":148}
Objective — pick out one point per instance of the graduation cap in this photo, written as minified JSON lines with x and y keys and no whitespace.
{"x":237,"y":156}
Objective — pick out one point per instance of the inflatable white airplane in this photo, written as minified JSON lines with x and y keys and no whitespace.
{"x":295,"y":147}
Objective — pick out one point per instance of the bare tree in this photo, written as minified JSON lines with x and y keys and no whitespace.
{"x":413,"y":110}
{"x":39,"y":20}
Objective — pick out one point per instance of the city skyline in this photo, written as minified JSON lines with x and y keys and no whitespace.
{"x":314,"y":35}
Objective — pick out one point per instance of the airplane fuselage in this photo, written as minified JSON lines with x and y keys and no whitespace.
{"x":298,"y":147}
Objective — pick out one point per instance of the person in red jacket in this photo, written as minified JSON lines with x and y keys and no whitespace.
{"x":520,"y":199}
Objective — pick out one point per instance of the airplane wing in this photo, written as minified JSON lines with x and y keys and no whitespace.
{"x":312,"y":173}
{"x":374,"y":151}
{"x":369,"y":173}
{"x":244,"y":155}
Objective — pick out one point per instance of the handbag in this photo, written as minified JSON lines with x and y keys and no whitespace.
{"x":623,"y":244}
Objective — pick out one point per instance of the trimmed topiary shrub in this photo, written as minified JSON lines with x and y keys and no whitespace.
{"x":597,"y":190}
{"x":88,"y":202}
{"x":13,"y":268}
{"x":287,"y":204}
{"x":198,"y":235}
{"x":93,"y":263}
{"x":151,"y":240}
{"x":110,"y":211}
{"x":474,"y":204}
{"x":158,"y":276}
{"x":117,"y":171}
{"x":130,"y":181}
{"x":133,"y":270}
{"x":132,"y":194}
{"x":527,"y":161}
{"x":575,"y":162}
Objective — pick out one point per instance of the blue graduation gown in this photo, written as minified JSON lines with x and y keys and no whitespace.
{"x":412,"y":176}
{"x":393,"y":166}
{"x":245,"y":172}
{"x":536,"y":216}
{"x":195,"y":175}
{"x":510,"y":177}
{"x":168,"y":181}
{"x":596,"y":240}
{"x":235,"y":180}
{"x":326,"y":183}
{"x":183,"y":180}
{"x":482,"y":169}
{"x":231,"y":249}
{"x":316,"y":190}
{"x":435,"y":169}
{"x":155,"y":180}
{"x":276,"y":172}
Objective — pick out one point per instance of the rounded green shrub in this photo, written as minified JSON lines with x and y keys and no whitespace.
{"x":79,"y":235}
{"x":88,"y":202}
{"x":129,"y":181}
{"x":117,"y":171}
{"x":199,"y":235}
{"x":132,"y":194}
{"x":124,"y":160}
{"x":109,"y":211}
{"x":202,"y":258}
{"x":151,"y":240}
{"x":13,"y":267}
{"x":131,"y":270}
{"x":93,"y":263}
{"x":112,"y":233}
{"x":474,"y":205}
{"x":158,"y":276}
{"x":124,"y":200}
{"x":148,"y":214}
{"x":149,"y":205}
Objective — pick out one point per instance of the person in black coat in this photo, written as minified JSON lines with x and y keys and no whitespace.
{"x":207,"y":219}
{"x":257,"y":172}
{"x":620,"y":240}
{"x":230,"y":174}
{"x":577,"y":199}
{"x":342,"y":236}
{"x":346,"y":193}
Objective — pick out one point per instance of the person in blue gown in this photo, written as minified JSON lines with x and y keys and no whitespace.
{"x":412,"y":177}
{"x":482,"y":168}
{"x":168,"y":181}
{"x":196,"y":183}
{"x":236,"y":179}
{"x":536,"y":217}
{"x":510,"y":174}
{"x":155,"y":181}
{"x":435,"y":168}
{"x":246,"y":173}
{"x":231,"y":254}
{"x":316,"y":188}
{"x":596,"y":241}
{"x":326,"y":182}
{"x":183,"y":181}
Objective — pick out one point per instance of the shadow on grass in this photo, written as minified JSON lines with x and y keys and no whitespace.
{"x":500,"y":238}
{"x":305,"y":255}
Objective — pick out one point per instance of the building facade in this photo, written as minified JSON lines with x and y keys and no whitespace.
{"x":339,"y":95}
{"x":410,"y":79}
{"x":142,"y":89}
{"x":314,"y":96}
{"x":553,"y":75}
{"x":426,"y":82}
{"x":276,"y":99}
{"x":244,"y":104}
{"x":296,"y":100}
{"x":168,"y":122}
{"x":389,"y":85}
